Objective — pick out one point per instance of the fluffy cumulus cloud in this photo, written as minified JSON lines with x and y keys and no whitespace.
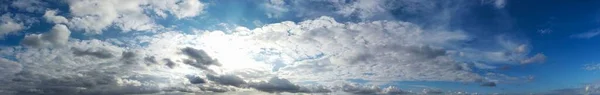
{"x":393,"y":50}
{"x":317,"y":55}
{"x":51,"y":17}
{"x":58,"y":36}
{"x":9,"y":25}
{"x":95,"y":16}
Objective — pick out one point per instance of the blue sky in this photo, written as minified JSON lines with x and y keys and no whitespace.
{"x":347,"y":47}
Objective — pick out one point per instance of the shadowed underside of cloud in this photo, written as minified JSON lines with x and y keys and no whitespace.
{"x":201,"y":59}
{"x":100,"y":53}
{"x":489,"y":84}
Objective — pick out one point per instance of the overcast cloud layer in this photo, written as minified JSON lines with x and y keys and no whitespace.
{"x":108,"y":47}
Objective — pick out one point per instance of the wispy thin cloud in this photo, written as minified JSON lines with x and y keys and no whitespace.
{"x":586,"y":35}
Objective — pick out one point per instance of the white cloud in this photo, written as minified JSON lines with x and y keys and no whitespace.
{"x":51,"y":17}
{"x":586,"y":35}
{"x":275,"y":8}
{"x":57,"y":37}
{"x":537,"y":58}
{"x":315,"y":50}
{"x":32,"y":6}
{"x":9,"y":25}
{"x":95,"y":16}
{"x":181,"y":8}
{"x":363,"y":8}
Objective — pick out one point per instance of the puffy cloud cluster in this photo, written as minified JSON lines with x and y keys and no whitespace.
{"x":51,"y":17}
{"x":9,"y":25}
{"x":390,"y":50}
{"x":278,"y":55}
{"x":58,"y":36}
{"x":274,"y":58}
{"x":95,"y":16}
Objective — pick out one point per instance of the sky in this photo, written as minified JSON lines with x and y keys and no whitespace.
{"x":299,"y":47}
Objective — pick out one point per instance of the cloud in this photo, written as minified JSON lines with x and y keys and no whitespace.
{"x":275,"y":8}
{"x":538,"y":58}
{"x":9,"y":25}
{"x":586,"y":35}
{"x":170,"y":63}
{"x":8,"y":68}
{"x":407,"y":50}
{"x":195,"y":79}
{"x":100,"y":53}
{"x":276,"y":85}
{"x":57,"y":37}
{"x":489,"y":84}
{"x":95,"y":16}
{"x":51,"y":17}
{"x":363,"y":8}
{"x":499,"y":3}
{"x":32,"y":6}
{"x":431,"y":91}
{"x":356,"y":90}
{"x":61,"y":71}
{"x":181,"y":8}
{"x":201,"y":59}
{"x":591,"y":67}
{"x":227,"y":80}
{"x":315,"y":49}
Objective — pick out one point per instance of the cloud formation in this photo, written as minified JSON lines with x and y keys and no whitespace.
{"x":276,"y":58}
{"x":95,"y":16}
{"x":51,"y":17}
{"x":201,"y":59}
{"x":392,"y":50}
{"x":99,"y":53}
{"x":9,"y":25}
{"x":58,"y":36}
{"x":586,"y":35}
{"x":538,"y":58}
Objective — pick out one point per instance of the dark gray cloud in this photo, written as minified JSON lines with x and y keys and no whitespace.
{"x":489,"y":84}
{"x":91,"y":83}
{"x":100,"y":53}
{"x":273,"y":85}
{"x":128,"y":55}
{"x":227,"y":80}
{"x":150,"y":59}
{"x":170,"y":63}
{"x":199,"y":58}
{"x":276,"y":85}
{"x":195,"y":79}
